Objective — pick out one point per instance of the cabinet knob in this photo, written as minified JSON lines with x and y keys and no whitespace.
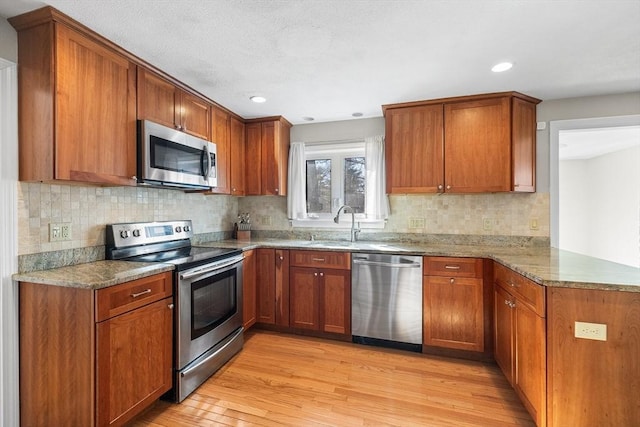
{"x":281,"y":257}
{"x":135,"y":178}
{"x":321,"y":274}
{"x":276,"y":190}
{"x":315,"y":274}
{"x":448,"y":187}
{"x":440,"y":187}
{"x":170,"y":306}
{"x":452,"y":280}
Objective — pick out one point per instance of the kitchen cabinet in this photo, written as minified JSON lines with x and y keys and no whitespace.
{"x":273,"y":286}
{"x":77,"y":103}
{"x":221,"y":136}
{"x":453,"y":314}
{"x":237,"y":175}
{"x":593,"y":383}
{"x":520,"y":338}
{"x":162,"y":101}
{"x":320,"y":291}
{"x":94,"y":357}
{"x":267,"y":156}
{"x":249,"y":289}
{"x":472,"y":144}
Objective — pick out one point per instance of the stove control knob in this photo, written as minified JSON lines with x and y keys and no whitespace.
{"x":124,"y":233}
{"x":178,"y":229}
{"x":136,"y":233}
{"x":186,"y":228}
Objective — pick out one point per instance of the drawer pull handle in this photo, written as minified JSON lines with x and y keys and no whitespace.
{"x":452,"y":267}
{"x":317,"y":259}
{"x":146,"y":291}
{"x":452,"y":280}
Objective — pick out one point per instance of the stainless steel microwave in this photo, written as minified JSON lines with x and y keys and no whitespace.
{"x":170,"y":158}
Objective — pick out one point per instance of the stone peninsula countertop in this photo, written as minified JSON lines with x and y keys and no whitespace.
{"x":546,"y":266}
{"x":94,"y":275}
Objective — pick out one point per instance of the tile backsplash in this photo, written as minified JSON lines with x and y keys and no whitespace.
{"x":89,"y":209}
{"x":498,"y":214}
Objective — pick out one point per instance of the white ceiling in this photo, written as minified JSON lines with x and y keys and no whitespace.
{"x":329,"y":58}
{"x":581,"y":144}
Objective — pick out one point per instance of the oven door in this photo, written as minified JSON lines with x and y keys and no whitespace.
{"x":209,"y":307}
{"x":173,"y":158}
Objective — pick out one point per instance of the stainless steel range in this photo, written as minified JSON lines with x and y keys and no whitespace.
{"x":207,"y":291}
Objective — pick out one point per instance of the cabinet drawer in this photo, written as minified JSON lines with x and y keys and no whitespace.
{"x":119,"y":299}
{"x":324,"y":259}
{"x":453,"y":267}
{"x":527,"y":291}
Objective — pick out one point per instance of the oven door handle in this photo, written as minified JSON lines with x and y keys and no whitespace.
{"x":208,"y":269}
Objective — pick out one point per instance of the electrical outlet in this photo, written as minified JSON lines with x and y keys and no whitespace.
{"x":59,"y":232}
{"x":265,"y":220}
{"x":417,"y":222}
{"x":487,"y":224}
{"x":533,"y":224}
{"x":591,"y":331}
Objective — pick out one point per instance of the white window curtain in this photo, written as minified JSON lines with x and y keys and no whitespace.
{"x":296,"y":202}
{"x":376,"y":202}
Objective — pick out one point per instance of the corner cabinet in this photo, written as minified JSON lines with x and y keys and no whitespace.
{"x":520,"y":338}
{"x":267,"y":156}
{"x":320,"y":292}
{"x":94,"y":357}
{"x":77,"y":103}
{"x":472,"y":144}
{"x":228,"y":135}
{"x":161,"y":101}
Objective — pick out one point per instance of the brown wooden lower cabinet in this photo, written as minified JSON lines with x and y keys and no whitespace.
{"x":272,"y":281}
{"x":520,"y":338}
{"x":249,"y":304}
{"x":94,"y":357}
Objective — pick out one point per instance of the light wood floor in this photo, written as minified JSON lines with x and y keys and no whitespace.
{"x":290,"y":380}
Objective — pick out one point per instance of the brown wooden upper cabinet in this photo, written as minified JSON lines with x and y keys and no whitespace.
{"x":228,"y":135}
{"x":267,"y":156}
{"x":238,"y":152}
{"x":161,"y":101}
{"x":77,"y":103}
{"x":472,"y":144}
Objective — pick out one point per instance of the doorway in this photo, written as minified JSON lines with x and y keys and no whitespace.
{"x":595,"y":187}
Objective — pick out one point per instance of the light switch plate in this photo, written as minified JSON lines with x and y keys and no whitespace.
{"x":591,"y":331}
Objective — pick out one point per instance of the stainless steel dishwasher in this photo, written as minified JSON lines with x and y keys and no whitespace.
{"x":386,"y":300}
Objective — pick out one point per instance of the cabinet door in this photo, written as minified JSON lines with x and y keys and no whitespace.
{"x":157,"y":99}
{"x":415,"y":149}
{"x":530,"y":361}
{"x":253,"y":159}
{"x":237,"y":142}
{"x":282,"y":286}
{"x":524,"y":145}
{"x":220,"y":135}
{"x":336,"y":299}
{"x":503,"y":338}
{"x":266,"y":286}
{"x":195,"y":116}
{"x":95,"y":112}
{"x":477,"y":154}
{"x":304,"y":298}
{"x":249,"y":289}
{"x":134,"y":361}
{"x":453,"y":312}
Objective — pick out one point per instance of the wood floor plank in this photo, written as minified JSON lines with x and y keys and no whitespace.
{"x":281,"y":379}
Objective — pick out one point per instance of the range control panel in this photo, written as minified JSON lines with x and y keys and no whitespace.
{"x":142,"y":233}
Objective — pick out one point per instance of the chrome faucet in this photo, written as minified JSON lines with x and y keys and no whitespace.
{"x":354,"y":231}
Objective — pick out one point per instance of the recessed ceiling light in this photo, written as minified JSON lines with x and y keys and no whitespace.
{"x":357,"y":114}
{"x":258,"y":99}
{"x":308,"y":119}
{"x":503,"y":66}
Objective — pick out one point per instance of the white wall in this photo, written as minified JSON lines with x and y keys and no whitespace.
{"x":600,"y":206}
{"x":8,"y":41}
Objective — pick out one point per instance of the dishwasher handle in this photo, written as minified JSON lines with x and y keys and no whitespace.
{"x":362,"y":261}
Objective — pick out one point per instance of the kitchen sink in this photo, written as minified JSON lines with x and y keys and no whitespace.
{"x":360,"y":246}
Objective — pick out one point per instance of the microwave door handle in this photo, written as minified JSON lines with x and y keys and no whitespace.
{"x":207,"y":155}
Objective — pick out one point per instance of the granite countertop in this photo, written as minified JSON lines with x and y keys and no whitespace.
{"x":94,"y":275}
{"x":546,"y":266}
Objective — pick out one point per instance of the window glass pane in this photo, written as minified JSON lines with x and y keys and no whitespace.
{"x":319,"y":186}
{"x":354,"y":183}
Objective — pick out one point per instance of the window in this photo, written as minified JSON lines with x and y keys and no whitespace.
{"x":335,"y":176}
